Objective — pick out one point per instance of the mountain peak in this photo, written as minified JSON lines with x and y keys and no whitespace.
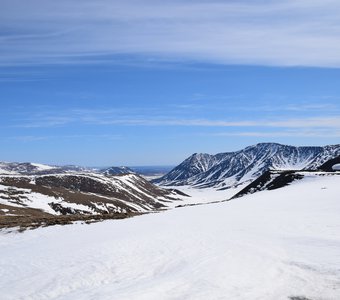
{"x":227,"y":169}
{"x":118,"y":171}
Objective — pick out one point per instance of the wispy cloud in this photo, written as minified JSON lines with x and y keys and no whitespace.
{"x":320,"y":122}
{"x":112,"y":117}
{"x":297,"y":107}
{"x":313,"y":133}
{"x":27,"y":138}
{"x":283,"y":33}
{"x":34,"y":138}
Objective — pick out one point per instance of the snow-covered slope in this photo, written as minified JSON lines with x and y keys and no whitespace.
{"x":229,"y":169}
{"x":196,"y":164}
{"x":12,"y":168}
{"x":271,"y":245}
{"x":117,"y":171}
{"x":80,"y":193}
{"x":23,"y":168}
{"x":271,"y":180}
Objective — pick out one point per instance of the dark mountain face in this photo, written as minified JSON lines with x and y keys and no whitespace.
{"x":270,"y":180}
{"x":194,"y":165}
{"x":331,"y":165}
{"x":228,"y":169}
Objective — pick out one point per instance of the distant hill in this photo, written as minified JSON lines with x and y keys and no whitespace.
{"x":117,"y":171}
{"x":30,"y":190}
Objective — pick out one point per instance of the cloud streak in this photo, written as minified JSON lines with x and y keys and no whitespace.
{"x":313,"y":133}
{"x":120,"y":117}
{"x":279,"y":33}
{"x":35,"y":138}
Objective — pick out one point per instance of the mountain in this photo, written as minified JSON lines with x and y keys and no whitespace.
{"x":9,"y":168}
{"x":118,"y":171}
{"x":274,"y":179}
{"x":79,"y":193}
{"x":224,"y":170}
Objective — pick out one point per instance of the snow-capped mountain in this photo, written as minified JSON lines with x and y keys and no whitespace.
{"x":224,"y":170}
{"x":14,"y":168}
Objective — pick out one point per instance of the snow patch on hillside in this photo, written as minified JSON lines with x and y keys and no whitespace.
{"x":336,"y":167}
{"x":41,"y":167}
{"x":25,"y":197}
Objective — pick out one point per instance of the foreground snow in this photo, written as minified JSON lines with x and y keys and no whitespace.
{"x":202,"y":196}
{"x":269,"y":245}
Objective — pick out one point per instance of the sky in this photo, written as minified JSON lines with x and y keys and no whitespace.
{"x":150,"y":82}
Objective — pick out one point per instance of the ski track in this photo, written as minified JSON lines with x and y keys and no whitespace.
{"x":265,"y":246}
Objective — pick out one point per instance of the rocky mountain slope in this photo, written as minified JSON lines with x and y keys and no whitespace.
{"x":224,"y":170}
{"x":273,"y":179}
{"x":117,"y":171}
{"x":79,"y":194}
{"x":331,"y":165}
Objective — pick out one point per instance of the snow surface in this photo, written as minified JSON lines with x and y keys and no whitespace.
{"x":27,"y":198}
{"x":42,"y":167}
{"x":336,"y":167}
{"x":266,"y":246}
{"x":202,"y":196}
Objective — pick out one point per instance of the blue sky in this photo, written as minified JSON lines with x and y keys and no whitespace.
{"x":151,"y":82}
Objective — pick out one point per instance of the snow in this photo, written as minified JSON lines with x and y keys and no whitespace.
{"x":74,"y":206}
{"x":42,"y":167}
{"x":6,"y":172}
{"x":28,"y":198}
{"x":266,"y":246}
{"x":202,"y":196}
{"x":130,"y":181}
{"x":151,"y":177}
{"x":336,"y":167}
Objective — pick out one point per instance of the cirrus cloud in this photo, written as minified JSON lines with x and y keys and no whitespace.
{"x":275,"y":33}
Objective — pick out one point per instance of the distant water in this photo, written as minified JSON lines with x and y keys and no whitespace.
{"x":152,"y":170}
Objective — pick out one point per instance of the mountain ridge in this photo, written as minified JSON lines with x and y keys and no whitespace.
{"x":224,"y":170}
{"x":80,"y":194}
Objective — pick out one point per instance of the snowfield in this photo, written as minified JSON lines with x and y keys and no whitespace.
{"x":336,"y":167}
{"x":202,"y":196}
{"x":270,"y":245}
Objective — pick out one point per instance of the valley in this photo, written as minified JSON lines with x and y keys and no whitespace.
{"x":273,"y":244}
{"x":116,"y":235}
{"x":34,"y":195}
